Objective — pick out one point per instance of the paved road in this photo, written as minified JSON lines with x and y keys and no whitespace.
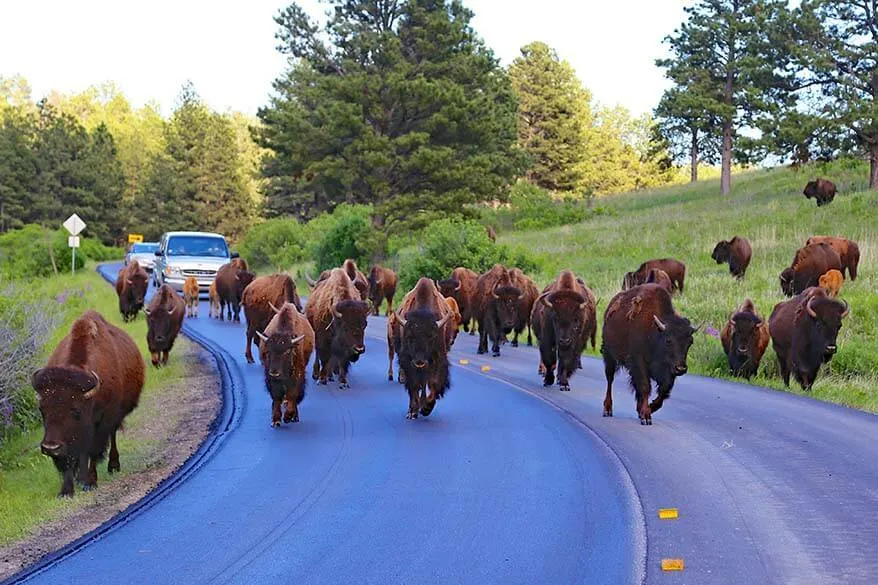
{"x":507,"y":482}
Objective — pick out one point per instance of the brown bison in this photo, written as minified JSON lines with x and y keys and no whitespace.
{"x":643,"y":333}
{"x":131,"y":284}
{"x":382,"y":286}
{"x":213,"y":301}
{"x":848,"y":251}
{"x":190,"y":296}
{"x":231,"y":280}
{"x":529,"y":294}
{"x":358,"y":278}
{"x":831,"y":282}
{"x":258,"y":297}
{"x":809,"y":263}
{"x":563,"y":319}
{"x":338,"y":316}
{"x":91,"y":382}
{"x":456,"y":319}
{"x":285,"y":348}
{"x":462,"y":287}
{"x":496,"y":307}
{"x":661,"y":278}
{"x":675,"y":269}
{"x":744,"y":338}
{"x":821,"y":190}
{"x":804,"y":332}
{"x":419,"y":333}
{"x":736,"y":252}
{"x":164,"y":318}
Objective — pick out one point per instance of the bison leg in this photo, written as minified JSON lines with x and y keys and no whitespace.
{"x":483,"y":340}
{"x":390,"y":360}
{"x":664,"y":392}
{"x":292,"y":402}
{"x":165,"y":356}
{"x":315,"y":371}
{"x":610,"y":367}
{"x":515,"y":338}
{"x":642,"y":388}
{"x":275,"y":413}
{"x":222,"y":309}
{"x":113,"y":464}
{"x":495,"y":343}
{"x":343,"y":375}
{"x":155,"y":357}
{"x":236,"y":310}
{"x":248,"y":352}
{"x":784,"y":370}
{"x":91,"y":479}
{"x":67,"y":482}
{"x":547,"y":363}
{"x":389,"y":299}
{"x":530,"y":339}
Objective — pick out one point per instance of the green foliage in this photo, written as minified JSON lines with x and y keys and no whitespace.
{"x":343,"y":234}
{"x":275,"y":244}
{"x":395,"y":104}
{"x":531,"y":207}
{"x":29,"y":252}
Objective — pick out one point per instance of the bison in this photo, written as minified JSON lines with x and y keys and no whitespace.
{"x":190,"y":296}
{"x":231,"y":280}
{"x":563,"y":319}
{"x":419,"y":333}
{"x":258,"y":297}
{"x":661,"y":278}
{"x":382,"y":286}
{"x":831,"y":282}
{"x":848,"y":251}
{"x":496,"y":307}
{"x":131,"y":284}
{"x":803,"y":331}
{"x":809,"y":263}
{"x":361,"y":283}
{"x":462,"y":287}
{"x":744,"y":338}
{"x":456,"y":318}
{"x":284,"y":350}
{"x":529,"y":294}
{"x":91,"y":382}
{"x":213,"y":301}
{"x":164,"y":318}
{"x":821,"y":190}
{"x":643,"y":333}
{"x":736,"y":252}
{"x":338,"y":316}
{"x":675,"y":269}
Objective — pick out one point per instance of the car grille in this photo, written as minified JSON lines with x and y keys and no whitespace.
{"x":198,"y":273}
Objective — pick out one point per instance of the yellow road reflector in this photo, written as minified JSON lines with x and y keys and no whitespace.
{"x":668,"y":513}
{"x":672,"y":564}
{"x":464,"y":362}
{"x":486,"y":368}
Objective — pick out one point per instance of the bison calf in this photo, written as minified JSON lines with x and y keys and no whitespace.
{"x":285,"y":348}
{"x":190,"y":296}
{"x":831,"y":282}
{"x":736,"y":252}
{"x":382,"y":286}
{"x":744,"y":338}
{"x":164,"y":318}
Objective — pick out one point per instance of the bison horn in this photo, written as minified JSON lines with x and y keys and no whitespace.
{"x":583,"y":304}
{"x":129,"y":281}
{"x":441,"y":323}
{"x":171,"y":311}
{"x":696,"y":329}
{"x":311,"y":282}
{"x":262,"y":336}
{"x":401,"y":320}
{"x":147,"y":311}
{"x":659,"y":323}
{"x":335,"y":312}
{"x":494,"y":292}
{"x":732,"y":325}
{"x":810,"y":310}
{"x":297,"y":339}
{"x":95,"y":388}
{"x":459,"y":284}
{"x":544,"y":298}
{"x":847,"y":310}
{"x":273,"y":308}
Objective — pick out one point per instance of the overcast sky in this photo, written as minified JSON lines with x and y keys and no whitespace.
{"x":228,"y":48}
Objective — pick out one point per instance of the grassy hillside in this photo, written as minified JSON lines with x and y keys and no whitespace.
{"x":685,"y":222}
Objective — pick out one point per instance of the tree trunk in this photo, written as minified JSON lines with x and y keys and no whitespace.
{"x":873,"y":165}
{"x":726,"y":178}
{"x":693,"y":154}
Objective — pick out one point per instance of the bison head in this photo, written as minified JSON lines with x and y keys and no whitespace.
{"x":721,"y":252}
{"x":506,"y":305}
{"x":670,"y":345}
{"x":821,"y":323}
{"x":567,"y":315}
{"x":421,"y":340}
{"x":66,"y":399}
{"x":160,"y":324}
{"x":137,"y":283}
{"x":242,"y":279}
{"x":743,"y":341}
{"x":630,"y":280}
{"x":278,"y":349}
{"x":449,"y":287}
{"x":787,"y":278}
{"x":349,"y":326}
{"x":810,"y":190}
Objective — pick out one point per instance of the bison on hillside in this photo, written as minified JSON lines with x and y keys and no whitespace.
{"x":744,"y":339}
{"x":848,"y":251}
{"x":675,"y":270}
{"x":736,"y":252}
{"x":809,"y":264}
{"x":821,"y":190}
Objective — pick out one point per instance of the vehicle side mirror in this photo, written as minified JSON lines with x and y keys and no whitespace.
{"x":158,"y":253}
{"x":234,"y":255}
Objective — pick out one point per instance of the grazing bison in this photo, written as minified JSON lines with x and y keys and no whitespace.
{"x":831,"y":282}
{"x":131,"y":284}
{"x":809,"y":263}
{"x":258,"y":297}
{"x":190,"y":296}
{"x":285,"y":348}
{"x":91,"y":382}
{"x":338,"y":316}
{"x":382,"y":286}
{"x":213,"y":301}
{"x":419,"y":334}
{"x":675,"y":269}
{"x":456,"y":317}
{"x":822,"y":190}
{"x":643,"y":333}
{"x":804,"y":332}
{"x":231,"y":280}
{"x":529,"y":294}
{"x":496,"y":307}
{"x":661,"y":278}
{"x":492,"y":235}
{"x":847,"y":250}
{"x":736,"y":252}
{"x":745,"y":337}
{"x":462,"y":287}
{"x":361,"y":283}
{"x":164,"y":318}
{"x":563,"y":318}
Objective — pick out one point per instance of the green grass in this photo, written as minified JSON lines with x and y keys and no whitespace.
{"x":685,"y":222}
{"x":29,"y":483}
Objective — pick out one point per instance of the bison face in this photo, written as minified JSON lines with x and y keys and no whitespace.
{"x":137,"y":285}
{"x":810,"y":190}
{"x":242,"y":279}
{"x":567,"y":316}
{"x":824,"y":320}
{"x":506,"y":306}
{"x":786,"y":281}
{"x":721,"y":252}
{"x":160,"y":324}
{"x":278,"y":358}
{"x":66,"y":398}
{"x":670,"y":348}
{"x":349,"y":327}
{"x":744,"y":336}
{"x":449,"y":287}
{"x":421,"y":341}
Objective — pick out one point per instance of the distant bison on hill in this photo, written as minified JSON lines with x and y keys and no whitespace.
{"x":736,"y":252}
{"x":744,"y":338}
{"x":809,"y":264}
{"x":847,"y":250}
{"x":821,"y":190}
{"x":675,"y":269}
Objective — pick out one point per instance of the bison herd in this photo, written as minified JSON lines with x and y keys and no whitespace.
{"x":94,"y":378}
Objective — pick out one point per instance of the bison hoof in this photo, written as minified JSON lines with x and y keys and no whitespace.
{"x":291,"y":418}
{"x":514,"y":344}
{"x":564,"y":388}
{"x":250,"y":359}
{"x":411,"y":415}
{"x":481,"y":351}
{"x":113,"y":467}
{"x":344,"y":386}
{"x":608,"y":413}
{"x":275,"y":424}
{"x":646,"y":421}
{"x":322,"y":382}
{"x":548,"y":381}
{"x":86,"y":487}
{"x":428,"y":408}
{"x":495,"y":353}
{"x":390,"y":377}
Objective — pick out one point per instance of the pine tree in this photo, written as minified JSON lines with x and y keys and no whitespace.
{"x":688,"y":127}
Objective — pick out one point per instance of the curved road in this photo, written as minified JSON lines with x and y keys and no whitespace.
{"x":507,"y":482}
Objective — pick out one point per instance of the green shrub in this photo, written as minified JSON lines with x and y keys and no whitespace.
{"x":531,"y":207}
{"x":96,"y":251}
{"x":345,"y":233}
{"x":276,"y":243}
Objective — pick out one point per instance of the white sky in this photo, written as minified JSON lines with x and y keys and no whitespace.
{"x":228,"y":48}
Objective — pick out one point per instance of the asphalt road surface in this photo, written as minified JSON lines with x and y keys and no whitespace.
{"x":506,"y":482}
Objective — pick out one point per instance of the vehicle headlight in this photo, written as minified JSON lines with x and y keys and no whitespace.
{"x":172,"y":271}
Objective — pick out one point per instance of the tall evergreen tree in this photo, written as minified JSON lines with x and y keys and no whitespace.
{"x":393,"y":103}
{"x":552,"y":108}
{"x":17,"y":165}
{"x":689,"y":128}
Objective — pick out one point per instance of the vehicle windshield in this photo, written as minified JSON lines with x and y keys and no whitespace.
{"x":144,"y":247}
{"x":197,"y":246}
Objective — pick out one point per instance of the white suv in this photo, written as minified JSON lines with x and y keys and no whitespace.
{"x":184,"y":254}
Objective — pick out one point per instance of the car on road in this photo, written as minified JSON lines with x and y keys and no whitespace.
{"x":144,"y":253}
{"x":184,"y":254}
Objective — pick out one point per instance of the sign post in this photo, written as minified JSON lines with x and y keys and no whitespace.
{"x":74,"y":225}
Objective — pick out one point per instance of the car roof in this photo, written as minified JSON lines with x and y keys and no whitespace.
{"x":208,"y":234}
